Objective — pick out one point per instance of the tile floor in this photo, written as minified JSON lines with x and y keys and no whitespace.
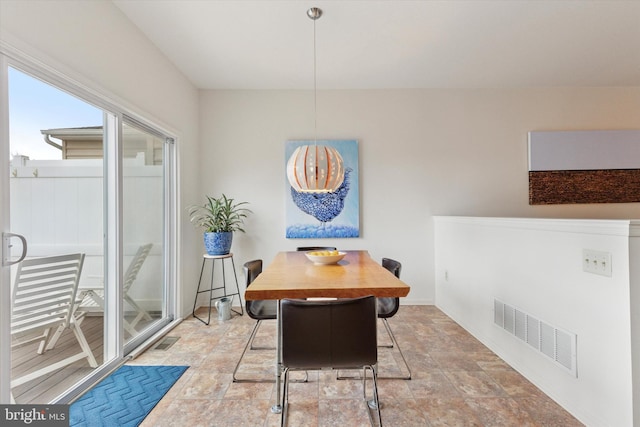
{"x":456,"y":381}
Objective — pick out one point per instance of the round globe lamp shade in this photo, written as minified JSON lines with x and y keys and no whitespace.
{"x":315,"y":169}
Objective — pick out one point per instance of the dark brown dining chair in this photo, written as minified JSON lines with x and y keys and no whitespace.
{"x":337,"y":334}
{"x":258,"y":310}
{"x":315,"y":248}
{"x":388,"y":307}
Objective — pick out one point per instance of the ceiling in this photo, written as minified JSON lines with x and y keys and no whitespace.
{"x":376,"y":44}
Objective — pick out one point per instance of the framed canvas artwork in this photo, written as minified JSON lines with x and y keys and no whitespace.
{"x":325,"y":215}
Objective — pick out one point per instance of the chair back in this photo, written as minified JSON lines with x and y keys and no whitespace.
{"x":44,"y":292}
{"x":251,"y":270}
{"x":257,"y":309}
{"x":392,"y":265}
{"x":337,"y":334}
{"x":315,"y":248}
{"x":136,"y":264}
{"x":388,"y":307}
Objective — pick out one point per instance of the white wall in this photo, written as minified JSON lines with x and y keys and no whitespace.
{"x":634,"y":272}
{"x":94,"y":44}
{"x":536,"y":266}
{"x":422,"y":153}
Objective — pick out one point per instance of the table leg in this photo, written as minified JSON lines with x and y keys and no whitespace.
{"x":277,"y":408}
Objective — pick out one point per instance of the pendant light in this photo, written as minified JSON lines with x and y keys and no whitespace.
{"x":315,"y":168}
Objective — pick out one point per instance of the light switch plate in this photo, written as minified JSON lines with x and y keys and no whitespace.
{"x":596,"y":262}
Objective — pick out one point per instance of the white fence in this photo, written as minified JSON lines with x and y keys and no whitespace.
{"x":58,"y":206}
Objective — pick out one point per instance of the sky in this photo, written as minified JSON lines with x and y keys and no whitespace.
{"x":33,"y":106}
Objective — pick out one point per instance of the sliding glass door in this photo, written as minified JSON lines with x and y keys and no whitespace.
{"x":143,"y":226}
{"x":56,"y":204}
{"x":83,"y":178}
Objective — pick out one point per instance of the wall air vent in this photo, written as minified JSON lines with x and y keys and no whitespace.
{"x":555,"y":343}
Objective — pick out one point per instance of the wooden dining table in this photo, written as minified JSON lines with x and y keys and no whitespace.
{"x":293,"y":275}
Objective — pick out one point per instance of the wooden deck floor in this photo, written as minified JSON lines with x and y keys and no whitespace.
{"x":44,"y":389}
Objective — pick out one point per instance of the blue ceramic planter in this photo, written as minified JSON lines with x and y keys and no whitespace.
{"x":218,"y":243}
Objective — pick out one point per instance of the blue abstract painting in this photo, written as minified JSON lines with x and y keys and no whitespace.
{"x":325,"y":215}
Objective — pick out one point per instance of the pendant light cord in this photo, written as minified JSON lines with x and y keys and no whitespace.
{"x":315,"y":88}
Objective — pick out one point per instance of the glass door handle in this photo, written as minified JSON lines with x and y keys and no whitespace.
{"x":6,"y":246}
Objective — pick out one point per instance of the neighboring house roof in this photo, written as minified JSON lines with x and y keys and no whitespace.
{"x":92,"y":132}
{"x":86,"y":143}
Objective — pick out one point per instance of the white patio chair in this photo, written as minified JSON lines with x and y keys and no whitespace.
{"x":43,"y":300}
{"x":95,"y":297}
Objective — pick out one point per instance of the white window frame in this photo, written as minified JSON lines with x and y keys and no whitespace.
{"x":115,"y":350}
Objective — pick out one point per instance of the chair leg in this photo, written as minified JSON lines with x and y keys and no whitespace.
{"x":246,"y":347}
{"x":75,"y":327}
{"x":142,"y":313}
{"x":388,"y":334}
{"x":252,"y":347}
{"x":127,"y":327}
{"x":373,"y":403}
{"x":95,"y":296}
{"x":394,"y":343}
{"x":52,"y":340}
{"x":46,"y":339}
{"x":344,"y":377}
{"x":285,"y":398}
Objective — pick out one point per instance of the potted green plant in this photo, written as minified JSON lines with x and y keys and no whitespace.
{"x":219,"y":217}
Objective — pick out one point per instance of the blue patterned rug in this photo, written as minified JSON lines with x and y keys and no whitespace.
{"x":125,"y":397}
